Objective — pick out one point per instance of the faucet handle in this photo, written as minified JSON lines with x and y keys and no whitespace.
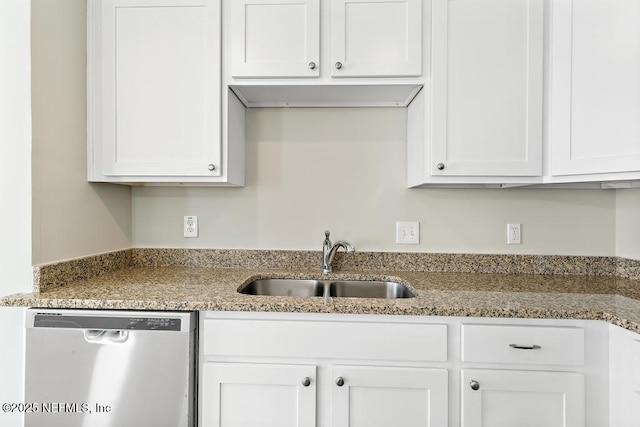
{"x":326,"y":234}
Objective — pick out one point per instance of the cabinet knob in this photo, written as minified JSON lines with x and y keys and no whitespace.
{"x":338,"y":65}
{"x":306,"y":381}
{"x":340,"y":381}
{"x":440,"y":166}
{"x":312,"y":65}
{"x":211,"y":167}
{"x":475,"y":385}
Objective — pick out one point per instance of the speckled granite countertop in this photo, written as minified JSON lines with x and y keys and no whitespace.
{"x":144,"y":287}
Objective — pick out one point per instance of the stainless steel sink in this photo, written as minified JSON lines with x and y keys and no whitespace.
{"x":284,"y":287}
{"x":369,"y":289}
{"x":331,"y":288}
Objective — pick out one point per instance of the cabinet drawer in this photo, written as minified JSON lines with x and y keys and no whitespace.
{"x":536,"y":345}
{"x":320,"y":339}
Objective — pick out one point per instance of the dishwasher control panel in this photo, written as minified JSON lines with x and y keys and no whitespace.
{"x":56,"y":320}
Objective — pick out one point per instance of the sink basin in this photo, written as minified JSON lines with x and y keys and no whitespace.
{"x":333,"y":288}
{"x":284,"y":287}
{"x":369,"y":289}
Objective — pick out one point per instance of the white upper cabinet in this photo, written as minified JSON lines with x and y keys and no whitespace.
{"x":376,"y":38}
{"x":155,"y":91}
{"x":594,"y":115}
{"x":311,"y":42}
{"x":487,"y":88}
{"x":480,"y":121}
{"x":274,"y":38}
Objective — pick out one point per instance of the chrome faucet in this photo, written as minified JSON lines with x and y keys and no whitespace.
{"x":329,"y":251}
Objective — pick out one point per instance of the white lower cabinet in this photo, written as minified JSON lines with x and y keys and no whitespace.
{"x":269,"y":395}
{"x":284,"y":395}
{"x":624,"y":378}
{"x":341,"y":370}
{"x":302,"y":370}
{"x":530,"y":375}
{"x":500,"y":398}
{"x":365,"y":396}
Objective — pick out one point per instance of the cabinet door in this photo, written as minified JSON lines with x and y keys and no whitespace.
{"x":522,"y":398}
{"x":487,"y":88}
{"x":595,"y":89}
{"x":160,"y":90}
{"x":382,"y":397}
{"x":274,"y":38}
{"x":624,"y":377}
{"x":240,"y":395}
{"x":376,"y":38}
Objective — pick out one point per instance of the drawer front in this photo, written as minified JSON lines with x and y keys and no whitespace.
{"x":536,"y":345}
{"x":325,"y":339}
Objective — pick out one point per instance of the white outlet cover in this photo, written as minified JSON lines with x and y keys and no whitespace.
{"x":190,"y":226}
{"x":408,"y":233}
{"x":514,"y":234}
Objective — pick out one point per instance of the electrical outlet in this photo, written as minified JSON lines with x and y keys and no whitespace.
{"x":190,"y":226}
{"x":514,"y":236}
{"x":408,"y":233}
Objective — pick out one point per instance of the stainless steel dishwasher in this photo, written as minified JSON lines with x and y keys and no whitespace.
{"x":88,"y":368}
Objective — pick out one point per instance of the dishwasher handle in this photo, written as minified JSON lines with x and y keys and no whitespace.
{"x":105,"y":336}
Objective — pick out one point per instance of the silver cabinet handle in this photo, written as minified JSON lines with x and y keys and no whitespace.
{"x":211,"y":167}
{"x":312,"y":65}
{"x":306,"y":381}
{"x":525,"y":347}
{"x":475,"y":385}
{"x":338,"y":65}
{"x":339,"y":381}
{"x":440,"y":166}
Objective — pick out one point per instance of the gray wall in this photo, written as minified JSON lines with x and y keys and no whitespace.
{"x":344,"y":170}
{"x":71,"y":218}
{"x":628,"y":223}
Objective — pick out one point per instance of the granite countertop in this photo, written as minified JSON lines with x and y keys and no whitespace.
{"x":612,"y":299}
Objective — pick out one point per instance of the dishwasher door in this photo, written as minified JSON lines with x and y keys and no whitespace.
{"x":109,"y":368}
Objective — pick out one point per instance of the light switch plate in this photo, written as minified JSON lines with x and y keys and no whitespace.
{"x":408,"y":233}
